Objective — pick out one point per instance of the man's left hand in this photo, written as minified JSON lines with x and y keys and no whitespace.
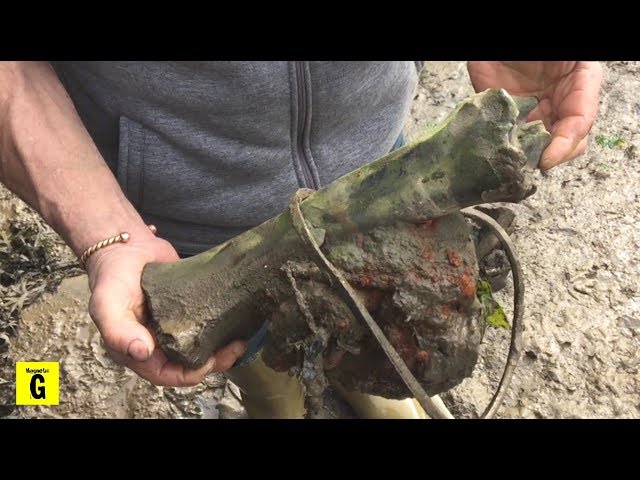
{"x":567,"y":93}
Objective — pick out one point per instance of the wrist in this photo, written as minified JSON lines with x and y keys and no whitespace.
{"x":122,"y":237}
{"x":143,"y":245}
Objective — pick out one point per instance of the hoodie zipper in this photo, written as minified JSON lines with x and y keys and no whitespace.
{"x":302,"y":95}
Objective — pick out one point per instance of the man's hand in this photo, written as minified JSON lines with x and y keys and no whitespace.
{"x":567,"y":92}
{"x":117,"y":306}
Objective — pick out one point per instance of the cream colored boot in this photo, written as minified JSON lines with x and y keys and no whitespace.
{"x":373,"y":407}
{"x":267,"y":393}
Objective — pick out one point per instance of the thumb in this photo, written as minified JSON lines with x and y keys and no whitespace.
{"x":122,"y":332}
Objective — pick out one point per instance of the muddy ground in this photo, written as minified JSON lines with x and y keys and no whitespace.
{"x":578,"y":239}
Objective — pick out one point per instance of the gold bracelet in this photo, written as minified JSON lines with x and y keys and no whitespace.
{"x":121,"y":238}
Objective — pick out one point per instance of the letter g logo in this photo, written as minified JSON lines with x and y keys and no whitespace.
{"x":37,"y":383}
{"x":37,"y":392}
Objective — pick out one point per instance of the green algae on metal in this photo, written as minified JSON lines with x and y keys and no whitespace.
{"x":394,"y":229}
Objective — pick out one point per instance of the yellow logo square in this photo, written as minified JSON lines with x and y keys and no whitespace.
{"x":37,"y":383}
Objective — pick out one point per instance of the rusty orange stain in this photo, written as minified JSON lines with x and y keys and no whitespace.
{"x":342,"y":324}
{"x":427,"y":255}
{"x":467,"y":285}
{"x":364,"y":280}
{"x":454,"y":258}
{"x":401,"y":337}
{"x":422,"y":356}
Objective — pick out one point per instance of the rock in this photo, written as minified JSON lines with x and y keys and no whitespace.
{"x":631,"y":323}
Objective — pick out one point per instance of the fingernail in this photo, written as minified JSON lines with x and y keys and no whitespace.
{"x":138,"y":350}
{"x":239,"y":348}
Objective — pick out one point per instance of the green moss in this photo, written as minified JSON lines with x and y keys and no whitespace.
{"x":610,"y":141}
{"x":492,"y":312}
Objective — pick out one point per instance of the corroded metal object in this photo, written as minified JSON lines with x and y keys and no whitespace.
{"x":395,"y":231}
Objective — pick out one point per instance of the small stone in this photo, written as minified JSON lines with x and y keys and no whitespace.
{"x":633,"y":324}
{"x":571,"y":387}
{"x":584,"y":286}
{"x":612,"y":388}
{"x":631,"y":152}
{"x":552,"y":374}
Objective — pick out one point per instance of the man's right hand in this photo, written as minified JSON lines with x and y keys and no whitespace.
{"x":118,"y":309}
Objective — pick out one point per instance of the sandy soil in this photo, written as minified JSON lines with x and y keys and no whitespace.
{"x":578,"y":239}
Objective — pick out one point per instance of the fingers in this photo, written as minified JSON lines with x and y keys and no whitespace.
{"x":158,"y":370}
{"x":162,"y":372}
{"x":225,"y":358}
{"x":575,"y":104}
{"x":563,"y":147}
{"x":543,"y":111}
{"x":111,"y":311}
{"x":559,"y":151}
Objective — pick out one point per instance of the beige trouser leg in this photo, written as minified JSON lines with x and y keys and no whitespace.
{"x":270,"y":394}
{"x":267,"y":393}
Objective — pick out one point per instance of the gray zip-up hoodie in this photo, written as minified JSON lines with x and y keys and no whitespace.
{"x":207,"y":150}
